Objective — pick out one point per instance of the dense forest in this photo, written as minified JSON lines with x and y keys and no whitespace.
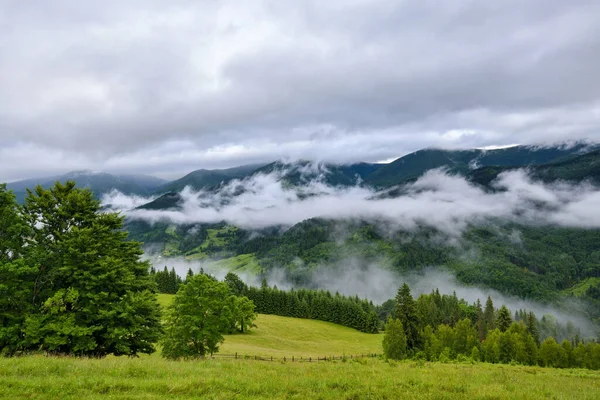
{"x":547,"y":264}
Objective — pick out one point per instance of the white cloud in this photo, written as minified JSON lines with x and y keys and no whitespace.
{"x":446,"y":202}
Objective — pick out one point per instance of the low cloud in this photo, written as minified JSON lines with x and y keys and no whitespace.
{"x":438,"y":199}
{"x":376,"y":282}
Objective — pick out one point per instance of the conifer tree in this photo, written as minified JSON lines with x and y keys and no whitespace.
{"x":407,"y":314}
{"x":503,"y":321}
{"x":532,"y":328}
{"x":489,"y":322}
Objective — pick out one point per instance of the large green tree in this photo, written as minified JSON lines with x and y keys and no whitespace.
{"x":84,"y":289}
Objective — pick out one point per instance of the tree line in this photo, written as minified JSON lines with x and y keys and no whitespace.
{"x":321,"y":305}
{"x":422,"y":329}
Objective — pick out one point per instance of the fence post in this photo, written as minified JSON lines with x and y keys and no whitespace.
{"x":271,"y":358}
{"x":284,"y":359}
{"x":236,"y":355}
{"x":292,"y":358}
{"x":309,"y":359}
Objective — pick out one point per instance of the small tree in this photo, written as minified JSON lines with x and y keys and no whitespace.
{"x":243,"y":313}
{"x":200,"y":314}
{"x":394,"y":340}
{"x":504,"y":320}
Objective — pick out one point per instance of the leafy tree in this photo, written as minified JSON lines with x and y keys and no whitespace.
{"x":243,"y":313}
{"x":83,"y":286}
{"x":13,"y":230}
{"x":394,"y":340}
{"x":200,"y":314}
{"x":406,"y":312}
{"x":550,"y":353}
{"x":465,"y":337}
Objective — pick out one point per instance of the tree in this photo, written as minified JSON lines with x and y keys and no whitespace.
{"x":488,"y":317}
{"x":406,"y":312}
{"x":243,"y":313}
{"x":84,"y":288}
{"x":532,"y":327}
{"x":394,"y":340}
{"x":504,"y":320}
{"x":200,"y":314}
{"x":235,"y":284}
{"x":13,"y":230}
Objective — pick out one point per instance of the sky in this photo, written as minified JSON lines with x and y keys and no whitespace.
{"x":163,"y":88}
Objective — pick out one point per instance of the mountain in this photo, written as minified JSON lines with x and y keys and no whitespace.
{"x":302,"y":172}
{"x":208,"y":178}
{"x":576,"y":169}
{"x":98,"y":182}
{"x":295,"y":174}
{"x":412,"y":166}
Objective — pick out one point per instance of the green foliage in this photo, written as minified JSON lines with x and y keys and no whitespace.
{"x":315,"y":304}
{"x":406,"y":312}
{"x":394,"y":340}
{"x":79,"y":286}
{"x":504,"y":320}
{"x":167,"y":281}
{"x":195,"y":322}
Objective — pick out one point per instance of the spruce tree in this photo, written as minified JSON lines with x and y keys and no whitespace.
{"x":489,"y":322}
{"x":532,"y":328}
{"x":504,"y":319}
{"x":406,"y":313}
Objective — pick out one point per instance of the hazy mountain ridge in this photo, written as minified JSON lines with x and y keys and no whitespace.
{"x":98,"y":182}
{"x":295,"y":174}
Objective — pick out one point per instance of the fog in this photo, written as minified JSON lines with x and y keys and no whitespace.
{"x":438,"y":199}
{"x":376,"y":282}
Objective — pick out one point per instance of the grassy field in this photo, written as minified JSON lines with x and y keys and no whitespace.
{"x":152,"y":377}
{"x":281,"y":336}
{"x":37,"y":377}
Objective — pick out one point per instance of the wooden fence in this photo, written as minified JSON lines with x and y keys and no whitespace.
{"x":237,"y":356}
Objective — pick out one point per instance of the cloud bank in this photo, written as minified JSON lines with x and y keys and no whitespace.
{"x":440,"y":200}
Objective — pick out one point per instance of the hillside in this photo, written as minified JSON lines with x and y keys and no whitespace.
{"x":98,"y":182}
{"x":206,"y":178}
{"x":283,"y":336}
{"x":414,"y":165}
{"x":576,"y":169}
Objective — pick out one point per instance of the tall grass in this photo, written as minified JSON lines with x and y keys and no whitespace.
{"x":38,"y":377}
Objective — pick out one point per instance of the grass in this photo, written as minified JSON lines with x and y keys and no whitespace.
{"x":240,"y":263}
{"x":152,"y":377}
{"x":38,"y":377}
{"x":281,"y":336}
{"x":581,"y":287}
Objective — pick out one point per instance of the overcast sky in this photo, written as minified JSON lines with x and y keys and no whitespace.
{"x":165,"y":87}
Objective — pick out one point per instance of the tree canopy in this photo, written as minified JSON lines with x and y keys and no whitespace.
{"x":75,"y":285}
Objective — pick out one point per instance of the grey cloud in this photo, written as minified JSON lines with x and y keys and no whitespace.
{"x":117,"y":83}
